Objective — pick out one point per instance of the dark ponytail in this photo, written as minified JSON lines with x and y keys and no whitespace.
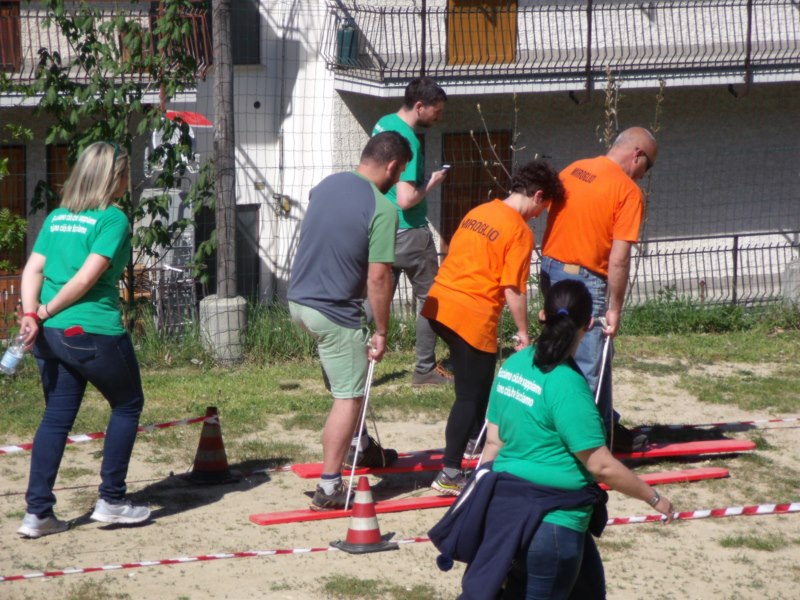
{"x":567,"y":310}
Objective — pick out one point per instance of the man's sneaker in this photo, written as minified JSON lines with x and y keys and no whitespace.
{"x":474,"y":449}
{"x":626,"y":441}
{"x":34,"y":527}
{"x":373,"y":456}
{"x":449,"y":486}
{"x":123,"y":513}
{"x":323,"y":501}
{"x":436,"y":376}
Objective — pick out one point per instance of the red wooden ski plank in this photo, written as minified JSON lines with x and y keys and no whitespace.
{"x":424,"y":502}
{"x":690,"y":449}
{"x":409,"y":462}
{"x":431,"y":460}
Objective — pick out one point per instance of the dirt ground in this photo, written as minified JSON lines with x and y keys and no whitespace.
{"x":686,"y":560}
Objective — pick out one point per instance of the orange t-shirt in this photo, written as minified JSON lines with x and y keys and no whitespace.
{"x":603,"y":204}
{"x":490,"y":251}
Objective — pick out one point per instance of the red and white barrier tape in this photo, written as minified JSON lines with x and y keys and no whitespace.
{"x":99,"y":435}
{"x":184,"y":560}
{"x":731,"y":511}
{"x":647,"y":428}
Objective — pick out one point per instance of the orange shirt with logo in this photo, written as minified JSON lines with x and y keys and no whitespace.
{"x":490,"y":251}
{"x":603,"y":204}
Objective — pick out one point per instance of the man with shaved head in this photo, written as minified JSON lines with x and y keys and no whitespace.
{"x":589,"y":238}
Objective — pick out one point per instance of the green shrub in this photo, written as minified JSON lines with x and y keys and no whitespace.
{"x":272,"y":336}
{"x":155,"y":349}
{"x":671,"y":314}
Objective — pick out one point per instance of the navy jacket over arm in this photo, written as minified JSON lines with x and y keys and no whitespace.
{"x":496,"y":517}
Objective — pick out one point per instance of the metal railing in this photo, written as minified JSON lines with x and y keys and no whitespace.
{"x":740,"y":269}
{"x":743,"y":269}
{"x":23,"y":33}
{"x":579,"y":39}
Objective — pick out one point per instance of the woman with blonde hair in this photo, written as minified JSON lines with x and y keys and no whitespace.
{"x":71,"y":318}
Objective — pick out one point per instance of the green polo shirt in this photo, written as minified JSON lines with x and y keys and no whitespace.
{"x":416,"y":216}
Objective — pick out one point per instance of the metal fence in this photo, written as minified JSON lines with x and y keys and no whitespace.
{"x":554,"y":40}
{"x":742,"y":269}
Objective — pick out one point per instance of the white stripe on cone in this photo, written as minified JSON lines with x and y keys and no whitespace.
{"x":364,"y":523}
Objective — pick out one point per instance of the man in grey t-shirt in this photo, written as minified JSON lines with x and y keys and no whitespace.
{"x":347,"y":244}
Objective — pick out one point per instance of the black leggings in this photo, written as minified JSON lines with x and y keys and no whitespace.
{"x":473,"y":372}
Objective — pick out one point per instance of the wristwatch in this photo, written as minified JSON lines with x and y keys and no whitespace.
{"x":655,"y":499}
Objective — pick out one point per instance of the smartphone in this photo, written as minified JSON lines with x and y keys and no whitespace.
{"x":445,"y":167}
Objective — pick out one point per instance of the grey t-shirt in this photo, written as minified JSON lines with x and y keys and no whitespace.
{"x":348,"y":225}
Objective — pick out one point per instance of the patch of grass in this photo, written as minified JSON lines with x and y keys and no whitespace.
{"x":341,"y":586}
{"x":761,"y":480}
{"x":761,"y":442}
{"x":71,"y":473}
{"x":304,"y":421}
{"x":671,"y":315}
{"x":616,"y":545}
{"x":748,"y":392}
{"x":753,"y":347}
{"x":159,"y":350}
{"x":271,"y":336}
{"x":94,"y":590}
{"x":250,"y":450}
{"x":650,"y":367}
{"x":416,"y":592}
{"x":767,"y":543}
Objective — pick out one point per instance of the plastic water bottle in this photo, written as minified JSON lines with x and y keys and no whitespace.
{"x":13,"y":355}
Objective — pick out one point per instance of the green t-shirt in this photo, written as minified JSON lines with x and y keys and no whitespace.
{"x":66,"y":240}
{"x":544,"y":419}
{"x":416,"y":216}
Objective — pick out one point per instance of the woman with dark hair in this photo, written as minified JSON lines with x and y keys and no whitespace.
{"x":70,"y":299}
{"x":487,"y":267}
{"x":545,"y":429}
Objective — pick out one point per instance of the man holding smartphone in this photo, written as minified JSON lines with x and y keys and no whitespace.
{"x":415,"y":251}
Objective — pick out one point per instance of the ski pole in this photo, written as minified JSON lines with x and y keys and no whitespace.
{"x":362,"y":418}
{"x":478,"y":441}
{"x":606,"y":344}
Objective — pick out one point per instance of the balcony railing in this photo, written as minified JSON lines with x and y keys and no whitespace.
{"x":577,"y":39}
{"x":23,"y":33}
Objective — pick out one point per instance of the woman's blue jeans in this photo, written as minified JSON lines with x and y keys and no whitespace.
{"x":561,"y":564}
{"x":66,"y":364}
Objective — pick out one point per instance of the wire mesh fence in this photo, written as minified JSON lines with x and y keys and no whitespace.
{"x":719,"y":207}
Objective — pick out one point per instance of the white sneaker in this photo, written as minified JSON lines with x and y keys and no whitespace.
{"x":124,"y":513}
{"x":34,"y":527}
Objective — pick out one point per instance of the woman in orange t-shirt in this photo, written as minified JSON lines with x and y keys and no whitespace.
{"x":487,"y":266}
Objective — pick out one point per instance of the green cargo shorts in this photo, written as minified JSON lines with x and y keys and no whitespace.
{"x":343,"y":351}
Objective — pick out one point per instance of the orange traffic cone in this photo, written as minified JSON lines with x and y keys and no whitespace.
{"x":364,"y":535}
{"x":211,"y":462}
